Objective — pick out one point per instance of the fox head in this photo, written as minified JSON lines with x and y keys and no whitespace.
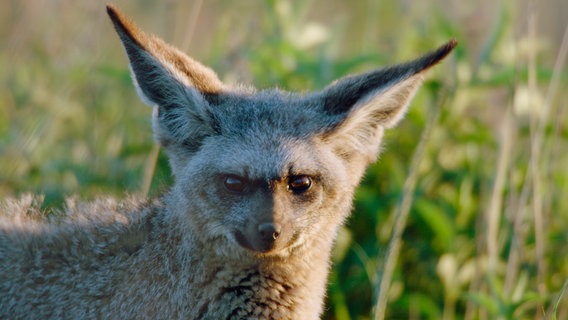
{"x":265,"y":170}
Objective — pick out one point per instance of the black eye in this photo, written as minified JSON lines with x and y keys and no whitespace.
{"x":235,"y":184}
{"x":299,"y":184}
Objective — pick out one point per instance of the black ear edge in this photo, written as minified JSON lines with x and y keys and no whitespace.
{"x":432,"y":58}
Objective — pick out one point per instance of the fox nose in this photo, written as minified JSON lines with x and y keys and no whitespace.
{"x":269,"y":231}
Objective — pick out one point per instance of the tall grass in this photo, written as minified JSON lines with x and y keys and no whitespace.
{"x":463,"y":217}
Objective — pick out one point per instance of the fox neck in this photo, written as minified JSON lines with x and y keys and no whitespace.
{"x":306,"y":271}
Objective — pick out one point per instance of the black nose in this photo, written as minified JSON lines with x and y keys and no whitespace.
{"x":269,"y":231}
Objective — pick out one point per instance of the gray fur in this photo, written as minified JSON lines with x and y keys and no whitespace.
{"x":208,"y":249}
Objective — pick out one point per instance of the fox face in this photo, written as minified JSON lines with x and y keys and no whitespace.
{"x":265,"y":170}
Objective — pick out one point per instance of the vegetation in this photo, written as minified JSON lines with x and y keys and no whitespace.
{"x":475,"y":178}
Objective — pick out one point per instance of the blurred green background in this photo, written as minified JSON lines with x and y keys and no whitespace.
{"x":487,"y":231}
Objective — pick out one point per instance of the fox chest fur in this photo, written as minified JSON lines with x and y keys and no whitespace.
{"x":263,"y":181}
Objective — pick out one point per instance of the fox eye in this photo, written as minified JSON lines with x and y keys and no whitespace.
{"x":235,"y":184}
{"x":299,"y":184}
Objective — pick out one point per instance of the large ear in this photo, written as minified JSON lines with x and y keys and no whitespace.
{"x":167,"y":78}
{"x":363,"y":105}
